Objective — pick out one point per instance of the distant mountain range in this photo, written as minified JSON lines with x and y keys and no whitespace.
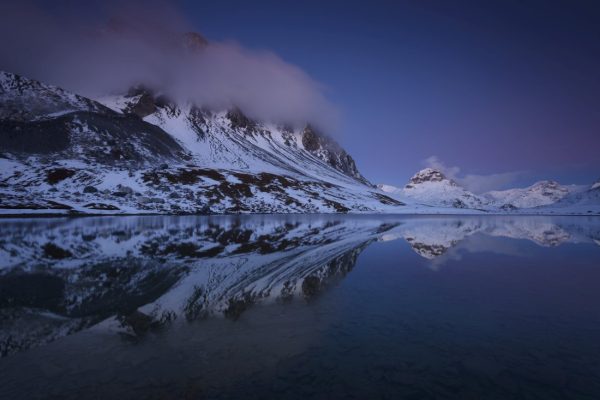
{"x":141,"y":152}
{"x":431,"y":187}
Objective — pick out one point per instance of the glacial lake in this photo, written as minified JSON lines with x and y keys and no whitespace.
{"x":300,"y":307}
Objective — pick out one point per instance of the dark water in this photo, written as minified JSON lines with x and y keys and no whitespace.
{"x":300,"y":307}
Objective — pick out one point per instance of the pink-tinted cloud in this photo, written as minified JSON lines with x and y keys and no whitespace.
{"x":131,"y":45}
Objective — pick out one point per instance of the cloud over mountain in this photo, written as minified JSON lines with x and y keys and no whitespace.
{"x":473,"y":182}
{"x":112,"y":47}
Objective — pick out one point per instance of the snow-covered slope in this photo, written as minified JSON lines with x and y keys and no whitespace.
{"x":586,"y":201}
{"x":539,"y":194}
{"x":63,"y":153}
{"x":229,"y":139}
{"x":430,"y":186}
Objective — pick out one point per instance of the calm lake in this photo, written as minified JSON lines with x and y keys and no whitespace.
{"x":297,"y":307}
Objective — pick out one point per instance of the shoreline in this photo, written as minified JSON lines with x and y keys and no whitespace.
{"x":84,"y":215}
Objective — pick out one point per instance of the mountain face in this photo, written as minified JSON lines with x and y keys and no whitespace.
{"x":229,"y":138}
{"x":140,"y":152}
{"x":539,"y":194}
{"x":431,"y":187}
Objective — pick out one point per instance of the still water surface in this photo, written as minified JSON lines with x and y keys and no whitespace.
{"x":297,"y":307}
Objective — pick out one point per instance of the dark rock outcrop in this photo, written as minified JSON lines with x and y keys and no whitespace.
{"x":331,"y":152}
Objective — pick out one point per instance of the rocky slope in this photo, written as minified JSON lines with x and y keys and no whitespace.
{"x":142,"y":153}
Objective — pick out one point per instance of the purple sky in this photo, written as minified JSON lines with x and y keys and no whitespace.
{"x":497,"y":93}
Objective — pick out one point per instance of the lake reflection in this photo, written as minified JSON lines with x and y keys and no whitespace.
{"x":300,"y":307}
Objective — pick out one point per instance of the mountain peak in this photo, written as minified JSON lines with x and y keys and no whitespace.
{"x":427,"y":175}
{"x":430,"y":186}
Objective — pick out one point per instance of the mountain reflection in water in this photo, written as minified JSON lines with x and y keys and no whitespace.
{"x":139,"y":276}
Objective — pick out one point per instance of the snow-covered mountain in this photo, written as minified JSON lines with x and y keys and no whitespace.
{"x":539,"y":194}
{"x":142,"y":153}
{"x":431,"y":187}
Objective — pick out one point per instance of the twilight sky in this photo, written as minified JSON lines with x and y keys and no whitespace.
{"x":509,"y":90}
{"x":495,"y":93}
